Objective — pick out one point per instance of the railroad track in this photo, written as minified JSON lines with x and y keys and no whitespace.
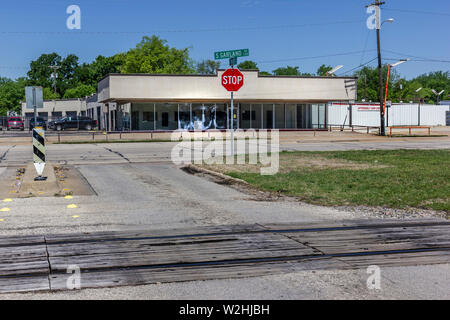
{"x":106,"y":259}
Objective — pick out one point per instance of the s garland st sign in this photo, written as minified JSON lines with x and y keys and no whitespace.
{"x":232,"y":79}
{"x":231,"y":54}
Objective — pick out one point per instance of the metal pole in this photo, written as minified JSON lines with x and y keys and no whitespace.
{"x":34,"y":106}
{"x":380,"y":79}
{"x":232,"y":118}
{"x":387,"y":83}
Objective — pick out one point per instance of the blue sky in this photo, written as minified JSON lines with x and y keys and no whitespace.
{"x":277,"y":32}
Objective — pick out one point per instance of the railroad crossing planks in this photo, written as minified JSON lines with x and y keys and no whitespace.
{"x":141,"y":257}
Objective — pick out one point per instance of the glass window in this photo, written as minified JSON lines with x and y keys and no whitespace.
{"x":220,"y":117}
{"x":164,"y":116}
{"x":257,"y":123}
{"x":268,"y":116}
{"x":246,"y":116}
{"x":291,"y":116}
{"x":148,"y":116}
{"x":279,"y":116}
{"x":203,"y":115}
{"x":184,"y":118}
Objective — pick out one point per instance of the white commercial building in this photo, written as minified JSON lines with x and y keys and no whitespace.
{"x":170,"y":102}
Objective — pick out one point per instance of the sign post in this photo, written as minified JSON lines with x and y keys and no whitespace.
{"x":232,"y":80}
{"x":39,"y":153}
{"x":34,"y":98}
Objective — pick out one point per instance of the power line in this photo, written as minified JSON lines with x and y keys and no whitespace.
{"x":417,"y":57}
{"x":361,"y":65}
{"x":420,"y":60}
{"x":312,"y":57}
{"x":177,"y":31}
{"x":419,"y":12}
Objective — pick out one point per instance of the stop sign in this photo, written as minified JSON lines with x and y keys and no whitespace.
{"x":232,"y":79}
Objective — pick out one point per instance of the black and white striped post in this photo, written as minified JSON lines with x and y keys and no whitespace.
{"x":39,"y":153}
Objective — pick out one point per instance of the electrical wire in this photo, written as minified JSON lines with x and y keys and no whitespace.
{"x":361,"y":65}
{"x":417,"y":57}
{"x":419,"y":12}
{"x":312,"y":57}
{"x":76,"y":32}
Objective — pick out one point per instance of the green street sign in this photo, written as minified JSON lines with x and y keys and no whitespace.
{"x":231,"y":54}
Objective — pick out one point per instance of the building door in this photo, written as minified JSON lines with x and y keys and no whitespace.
{"x":99,"y":118}
{"x":269,"y":119}
{"x":135,"y":120}
{"x":165,"y":119}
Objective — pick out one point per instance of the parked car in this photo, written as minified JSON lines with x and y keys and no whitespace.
{"x":40,"y":122}
{"x":78,"y":122}
{"x":15,"y":123}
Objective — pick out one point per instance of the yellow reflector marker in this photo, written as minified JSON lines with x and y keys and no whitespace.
{"x":66,"y":189}
{"x":68,"y":197}
{"x":5,"y":209}
{"x":72,"y":206}
{"x":1,"y":220}
{"x":7,"y":200}
{"x":75,"y":217}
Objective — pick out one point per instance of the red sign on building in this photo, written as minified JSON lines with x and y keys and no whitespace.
{"x":232,"y":79}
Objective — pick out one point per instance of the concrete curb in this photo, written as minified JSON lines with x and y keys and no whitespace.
{"x":191,"y":168}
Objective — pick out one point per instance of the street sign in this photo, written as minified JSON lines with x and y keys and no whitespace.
{"x":39,"y":152}
{"x":231,"y":54}
{"x":34,"y":97}
{"x":232,"y":79}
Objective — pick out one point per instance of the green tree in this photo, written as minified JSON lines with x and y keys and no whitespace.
{"x":92,"y":73}
{"x":289,"y":71}
{"x":40,"y":73}
{"x":152,"y":55}
{"x":323,"y":69}
{"x":208,"y":67}
{"x":80,"y":91}
{"x":12,"y":93}
{"x":49,"y":94}
{"x":248,"y":65}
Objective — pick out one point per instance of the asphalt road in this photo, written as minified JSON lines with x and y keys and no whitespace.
{"x":138,"y":187}
{"x":105,"y":153}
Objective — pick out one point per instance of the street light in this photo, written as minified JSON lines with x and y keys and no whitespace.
{"x":416,"y":92}
{"x":390,"y":20}
{"x":332,"y":71}
{"x":387,"y":80}
{"x":437,"y":94}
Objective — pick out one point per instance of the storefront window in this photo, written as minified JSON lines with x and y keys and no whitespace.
{"x":279,"y":116}
{"x":268,"y":116}
{"x":184,"y":119}
{"x":291,"y":115}
{"x":221,"y":116}
{"x":166,"y":116}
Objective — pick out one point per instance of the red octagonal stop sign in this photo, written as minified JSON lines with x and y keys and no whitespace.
{"x":232,"y":79}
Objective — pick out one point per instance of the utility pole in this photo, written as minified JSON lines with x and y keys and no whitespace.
{"x":378,"y":3}
{"x":365,"y":87}
{"x":55,"y":67}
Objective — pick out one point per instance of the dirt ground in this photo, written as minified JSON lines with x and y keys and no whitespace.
{"x":69,"y":182}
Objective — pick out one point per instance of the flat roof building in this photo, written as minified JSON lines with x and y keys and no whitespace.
{"x":199,"y":102}
{"x":55,"y":109}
